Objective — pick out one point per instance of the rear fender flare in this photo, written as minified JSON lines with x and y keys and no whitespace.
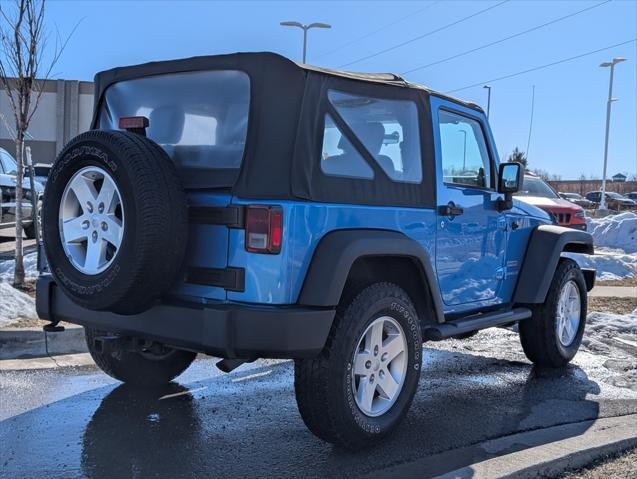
{"x":336,"y":253}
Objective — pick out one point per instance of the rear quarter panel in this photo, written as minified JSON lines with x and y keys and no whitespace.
{"x":278,"y":279}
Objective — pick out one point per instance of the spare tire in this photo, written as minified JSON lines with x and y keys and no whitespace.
{"x":114,"y":221}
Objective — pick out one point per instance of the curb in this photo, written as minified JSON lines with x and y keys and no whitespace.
{"x":544,"y":452}
{"x":20,"y":343}
{"x":48,"y":362}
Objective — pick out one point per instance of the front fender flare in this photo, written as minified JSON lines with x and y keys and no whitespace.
{"x":543,"y":252}
{"x":337,"y":251}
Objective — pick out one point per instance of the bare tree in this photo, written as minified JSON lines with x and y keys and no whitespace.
{"x":23,"y":41}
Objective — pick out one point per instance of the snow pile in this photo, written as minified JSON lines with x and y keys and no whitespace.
{"x":14,"y":304}
{"x":612,"y":323}
{"x":618,"y":231}
{"x":30,"y":267}
{"x":602,"y":329}
{"x":615,"y":239}
{"x":611,"y":264}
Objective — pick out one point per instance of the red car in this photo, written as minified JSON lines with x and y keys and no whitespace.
{"x":537,"y":193}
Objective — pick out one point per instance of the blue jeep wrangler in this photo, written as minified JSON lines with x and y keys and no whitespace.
{"x":245,"y":206}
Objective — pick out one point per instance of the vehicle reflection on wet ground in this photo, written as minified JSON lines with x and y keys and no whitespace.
{"x":79,"y":423}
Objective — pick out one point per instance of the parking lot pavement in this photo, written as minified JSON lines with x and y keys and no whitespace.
{"x":614,"y":291}
{"x":79,"y":423}
{"x":7,"y":242}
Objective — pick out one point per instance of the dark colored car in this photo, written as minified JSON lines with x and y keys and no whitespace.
{"x":614,"y":201}
{"x":632,"y":195}
{"x":8,"y":170}
{"x":577,"y":199}
{"x":262,"y":208}
{"x":537,"y":192}
{"x":41,"y":172}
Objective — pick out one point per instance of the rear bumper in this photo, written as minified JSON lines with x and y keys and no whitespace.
{"x":220,"y":329}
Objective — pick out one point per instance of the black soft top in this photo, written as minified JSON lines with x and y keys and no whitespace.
{"x":239,"y":61}
{"x":283,"y":146}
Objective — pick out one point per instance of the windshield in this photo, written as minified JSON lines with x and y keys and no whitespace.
{"x":614,"y":195}
{"x":9,"y":166}
{"x":199,"y":118}
{"x":536,"y":187}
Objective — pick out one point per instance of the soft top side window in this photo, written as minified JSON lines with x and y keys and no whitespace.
{"x":339,"y":157}
{"x":388,"y":129}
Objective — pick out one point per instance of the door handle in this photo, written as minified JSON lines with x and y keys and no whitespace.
{"x":450,"y":209}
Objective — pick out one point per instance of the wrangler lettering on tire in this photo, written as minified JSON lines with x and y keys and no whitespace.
{"x":114,"y":221}
{"x":361,"y":385}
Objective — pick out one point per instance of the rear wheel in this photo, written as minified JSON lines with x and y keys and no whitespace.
{"x":363,"y":382}
{"x":145,"y":367}
{"x":551,"y":337}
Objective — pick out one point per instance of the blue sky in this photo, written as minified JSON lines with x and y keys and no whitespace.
{"x":570,"y":98}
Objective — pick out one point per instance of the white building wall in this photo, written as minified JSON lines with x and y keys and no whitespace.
{"x":86,"y":112}
{"x":65,"y":110}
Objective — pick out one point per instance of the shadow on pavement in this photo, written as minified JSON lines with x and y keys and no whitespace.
{"x":252,"y":428}
{"x":137,"y":433}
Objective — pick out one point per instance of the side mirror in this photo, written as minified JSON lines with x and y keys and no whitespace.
{"x":510,"y":178}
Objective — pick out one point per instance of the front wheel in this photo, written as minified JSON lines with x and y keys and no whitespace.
{"x":139,"y":368}
{"x":552,"y":336}
{"x":361,"y":385}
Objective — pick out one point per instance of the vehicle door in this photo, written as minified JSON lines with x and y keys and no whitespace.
{"x":471,"y":233}
{"x":7,"y":187}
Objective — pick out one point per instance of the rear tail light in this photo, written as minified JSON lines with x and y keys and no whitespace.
{"x":133,"y":124}
{"x":264,"y":229}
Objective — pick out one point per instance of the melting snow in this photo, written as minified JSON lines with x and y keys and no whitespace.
{"x":14,"y":304}
{"x":30,"y":267}
{"x":618,"y":231}
{"x":615,"y":239}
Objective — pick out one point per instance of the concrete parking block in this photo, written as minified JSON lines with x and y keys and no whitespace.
{"x":19,"y":343}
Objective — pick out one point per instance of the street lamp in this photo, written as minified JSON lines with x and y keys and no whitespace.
{"x":488,"y":87}
{"x":611,"y":64}
{"x":464,"y":151}
{"x":305,"y":28}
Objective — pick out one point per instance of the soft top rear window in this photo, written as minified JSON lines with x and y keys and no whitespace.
{"x":199,"y":118}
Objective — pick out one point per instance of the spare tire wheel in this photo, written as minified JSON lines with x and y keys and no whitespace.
{"x":115,"y":221}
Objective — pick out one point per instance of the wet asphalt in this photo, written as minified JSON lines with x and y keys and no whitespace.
{"x":68,"y":423}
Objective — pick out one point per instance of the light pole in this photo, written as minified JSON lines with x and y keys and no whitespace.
{"x":611,"y":64}
{"x":488,"y":87}
{"x":464,"y":151}
{"x":305,"y":28}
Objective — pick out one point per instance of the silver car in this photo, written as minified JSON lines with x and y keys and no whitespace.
{"x":8,"y":171}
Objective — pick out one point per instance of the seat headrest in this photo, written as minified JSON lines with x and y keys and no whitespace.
{"x":371,"y":135}
{"x":166,"y":124}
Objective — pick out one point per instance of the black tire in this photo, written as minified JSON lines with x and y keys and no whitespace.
{"x":136,"y":368}
{"x":154,"y":238}
{"x":323,"y":385}
{"x":29,"y":231}
{"x":538,"y":334}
